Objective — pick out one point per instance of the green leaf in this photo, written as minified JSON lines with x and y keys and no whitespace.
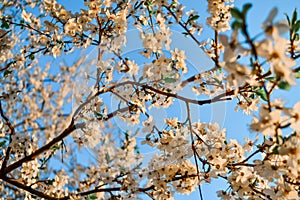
{"x":297,"y":69}
{"x":296,"y":26}
{"x":284,"y":85}
{"x":153,"y":12}
{"x":107,"y":158}
{"x":43,"y":168}
{"x":169,"y":80}
{"x":275,"y":150}
{"x":126,"y":136}
{"x":252,"y":96}
{"x":288,"y":19}
{"x":218,"y":81}
{"x":147,"y":3}
{"x":271,"y":78}
{"x":4,"y":25}
{"x":2,"y":143}
{"x":262,"y":94}
{"x":236,"y":25}
{"x":98,"y":114}
{"x":7,"y":72}
{"x":91,"y":197}
{"x":192,"y":18}
{"x":294,"y":17}
{"x":55,"y":147}
{"x":31,"y":56}
{"x":122,"y":169}
{"x":50,"y":181}
{"x":246,"y":7}
{"x":237,"y":14}
{"x":297,"y":74}
{"x":296,"y":37}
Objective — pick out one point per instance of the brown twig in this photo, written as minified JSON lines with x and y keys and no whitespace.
{"x":193,"y":148}
{"x":12,"y":132}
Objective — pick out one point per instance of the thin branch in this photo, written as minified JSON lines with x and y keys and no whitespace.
{"x":196,"y":76}
{"x":216,"y":43}
{"x":259,"y":192}
{"x":30,"y":54}
{"x":2,"y":36}
{"x":184,"y":27}
{"x":12,"y":132}
{"x":261,"y":149}
{"x":193,"y":147}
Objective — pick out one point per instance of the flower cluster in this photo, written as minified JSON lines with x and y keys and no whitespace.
{"x":220,"y":14}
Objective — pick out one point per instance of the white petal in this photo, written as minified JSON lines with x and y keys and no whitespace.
{"x":271,"y":17}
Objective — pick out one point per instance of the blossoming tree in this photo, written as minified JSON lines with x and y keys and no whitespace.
{"x":45,"y":125}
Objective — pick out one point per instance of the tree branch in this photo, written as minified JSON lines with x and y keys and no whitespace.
{"x":44,"y":148}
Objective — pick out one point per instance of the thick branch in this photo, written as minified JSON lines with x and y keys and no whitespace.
{"x":44,"y":148}
{"x":29,"y":189}
{"x":193,"y":101}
